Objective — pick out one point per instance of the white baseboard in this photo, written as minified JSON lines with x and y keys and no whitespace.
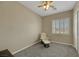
{"x":62,"y":43}
{"x":24,"y":48}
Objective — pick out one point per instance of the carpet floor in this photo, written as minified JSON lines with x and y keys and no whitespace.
{"x":55,"y":50}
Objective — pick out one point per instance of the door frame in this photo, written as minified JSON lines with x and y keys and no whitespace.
{"x":77,"y":30}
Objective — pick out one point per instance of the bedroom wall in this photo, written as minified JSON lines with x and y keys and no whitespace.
{"x":47,"y":27}
{"x":19,"y":27}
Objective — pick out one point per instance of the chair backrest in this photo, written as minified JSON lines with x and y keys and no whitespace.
{"x":43,"y":36}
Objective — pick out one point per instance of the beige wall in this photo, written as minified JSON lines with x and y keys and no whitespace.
{"x":19,"y":27}
{"x":47,"y":27}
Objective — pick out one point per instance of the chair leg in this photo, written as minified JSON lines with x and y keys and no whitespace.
{"x":46,"y":45}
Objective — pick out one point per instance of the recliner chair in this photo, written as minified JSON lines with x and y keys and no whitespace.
{"x":45,"y":40}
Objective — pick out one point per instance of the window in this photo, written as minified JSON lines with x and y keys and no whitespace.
{"x":60,"y":26}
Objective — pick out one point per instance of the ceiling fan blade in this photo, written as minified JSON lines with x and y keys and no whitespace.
{"x":53,"y":7}
{"x":42,"y":3}
{"x":40,"y":6}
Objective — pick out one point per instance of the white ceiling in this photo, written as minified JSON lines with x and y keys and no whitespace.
{"x":61,"y":6}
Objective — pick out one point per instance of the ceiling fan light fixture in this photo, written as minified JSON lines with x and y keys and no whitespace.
{"x":44,"y":7}
{"x":46,"y":4}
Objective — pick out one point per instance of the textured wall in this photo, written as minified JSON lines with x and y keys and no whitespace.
{"x":19,"y":27}
{"x":47,"y":27}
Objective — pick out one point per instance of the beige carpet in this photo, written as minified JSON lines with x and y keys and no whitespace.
{"x":55,"y":50}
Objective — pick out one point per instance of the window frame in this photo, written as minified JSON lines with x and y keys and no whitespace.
{"x":65,"y":30}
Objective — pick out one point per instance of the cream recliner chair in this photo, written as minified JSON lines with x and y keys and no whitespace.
{"x":45,"y":40}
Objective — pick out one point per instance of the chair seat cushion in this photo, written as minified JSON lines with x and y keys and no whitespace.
{"x":46,"y":41}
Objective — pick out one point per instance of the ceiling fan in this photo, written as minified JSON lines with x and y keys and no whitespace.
{"x":47,"y":4}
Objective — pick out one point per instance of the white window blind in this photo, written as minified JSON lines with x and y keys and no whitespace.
{"x":60,"y":26}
